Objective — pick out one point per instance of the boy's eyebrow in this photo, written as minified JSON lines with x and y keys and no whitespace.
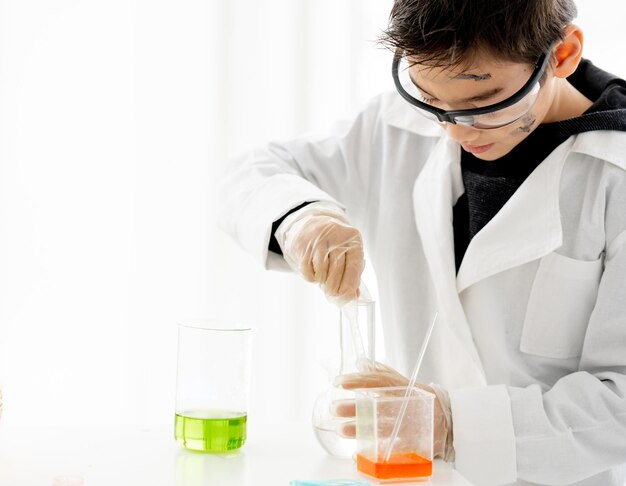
{"x":485,"y":95}
{"x":475,"y":77}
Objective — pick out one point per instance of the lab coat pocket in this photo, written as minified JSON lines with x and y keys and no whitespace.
{"x":561,"y":300}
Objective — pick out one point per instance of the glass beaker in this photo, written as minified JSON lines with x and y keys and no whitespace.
{"x":212,"y":381}
{"x":411,"y":452}
{"x":353,"y":345}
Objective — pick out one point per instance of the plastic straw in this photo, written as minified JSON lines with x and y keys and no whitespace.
{"x":409,"y":388}
{"x":351,"y":312}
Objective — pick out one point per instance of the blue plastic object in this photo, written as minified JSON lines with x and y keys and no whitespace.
{"x":329,"y":482}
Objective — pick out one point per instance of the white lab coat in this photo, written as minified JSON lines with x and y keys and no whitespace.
{"x":531,"y":335}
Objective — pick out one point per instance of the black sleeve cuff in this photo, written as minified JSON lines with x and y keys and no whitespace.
{"x":274,"y":246}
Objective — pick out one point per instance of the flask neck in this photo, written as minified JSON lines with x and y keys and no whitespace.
{"x":356,"y":334}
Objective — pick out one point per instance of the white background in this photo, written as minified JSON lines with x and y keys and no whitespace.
{"x":116,"y":118}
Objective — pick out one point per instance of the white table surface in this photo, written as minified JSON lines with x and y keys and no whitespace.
{"x":117,"y":456}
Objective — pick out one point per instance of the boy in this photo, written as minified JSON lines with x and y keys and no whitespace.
{"x":505,"y":213}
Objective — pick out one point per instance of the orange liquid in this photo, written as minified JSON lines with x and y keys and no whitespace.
{"x":408,"y":465}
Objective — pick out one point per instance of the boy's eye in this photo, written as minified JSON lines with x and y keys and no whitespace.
{"x":429,"y":101}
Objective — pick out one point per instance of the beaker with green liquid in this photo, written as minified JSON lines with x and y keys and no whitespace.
{"x":212,"y":381}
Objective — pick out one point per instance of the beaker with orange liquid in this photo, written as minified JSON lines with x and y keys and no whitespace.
{"x":410,"y":456}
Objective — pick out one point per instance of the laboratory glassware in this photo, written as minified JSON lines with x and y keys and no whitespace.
{"x":407,"y":453}
{"x":356,"y":338}
{"x":212,"y":381}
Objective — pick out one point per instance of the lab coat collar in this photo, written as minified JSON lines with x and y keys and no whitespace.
{"x":402,"y":115}
{"x":527,"y":227}
{"x":606,"y":145}
{"x":436,"y":189}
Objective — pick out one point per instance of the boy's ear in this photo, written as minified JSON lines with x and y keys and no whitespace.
{"x":568,"y":52}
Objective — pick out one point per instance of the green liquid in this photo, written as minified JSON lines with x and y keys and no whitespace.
{"x":211,"y":430}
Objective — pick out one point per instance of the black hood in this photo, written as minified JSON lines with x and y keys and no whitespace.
{"x":608,"y":94}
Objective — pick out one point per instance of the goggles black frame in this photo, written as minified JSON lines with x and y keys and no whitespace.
{"x":449,"y":116}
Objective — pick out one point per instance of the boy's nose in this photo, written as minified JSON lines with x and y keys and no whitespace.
{"x":461,"y":133}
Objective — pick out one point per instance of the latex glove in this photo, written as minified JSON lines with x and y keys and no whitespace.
{"x":323,"y":247}
{"x":380,"y":375}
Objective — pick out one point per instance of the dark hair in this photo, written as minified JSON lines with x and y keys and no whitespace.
{"x":449,"y":33}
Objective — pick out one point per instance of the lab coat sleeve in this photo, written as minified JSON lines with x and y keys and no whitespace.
{"x":483,"y":436}
{"x":572,"y":431}
{"x":260,"y":187}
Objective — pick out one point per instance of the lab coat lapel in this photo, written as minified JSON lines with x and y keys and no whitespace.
{"x":452,"y":349}
{"x":527,"y":227}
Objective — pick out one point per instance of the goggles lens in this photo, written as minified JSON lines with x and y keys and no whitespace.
{"x":490,"y":120}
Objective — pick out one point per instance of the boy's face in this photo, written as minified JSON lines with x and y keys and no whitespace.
{"x":486,"y":82}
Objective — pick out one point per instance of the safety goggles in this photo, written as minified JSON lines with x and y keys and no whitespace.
{"x":497,"y":115}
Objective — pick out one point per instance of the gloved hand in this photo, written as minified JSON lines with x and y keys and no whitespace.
{"x":323,"y":247}
{"x":380,"y":375}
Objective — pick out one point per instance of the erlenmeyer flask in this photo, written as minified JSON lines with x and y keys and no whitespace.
{"x":352,"y":344}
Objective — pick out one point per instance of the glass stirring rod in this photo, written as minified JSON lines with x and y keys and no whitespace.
{"x":409,"y":387}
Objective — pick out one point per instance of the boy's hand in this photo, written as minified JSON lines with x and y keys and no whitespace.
{"x":324,"y":248}
{"x":380,"y":375}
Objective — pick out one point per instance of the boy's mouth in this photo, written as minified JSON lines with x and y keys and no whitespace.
{"x":476,"y":149}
